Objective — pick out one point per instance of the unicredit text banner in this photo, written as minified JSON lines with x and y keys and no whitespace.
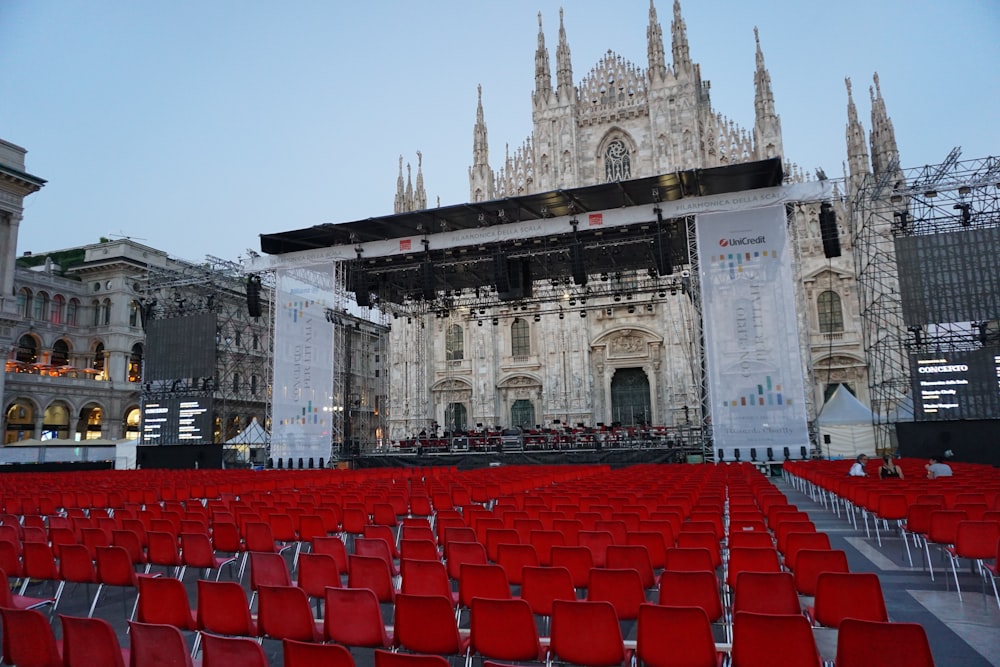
{"x":754,"y":367}
{"x":303,"y":364}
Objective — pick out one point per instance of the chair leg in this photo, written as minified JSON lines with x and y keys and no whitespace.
{"x":930,"y":565}
{"x":93,"y":605}
{"x":906,"y":543}
{"x":878,"y":534}
{"x":954,"y":571}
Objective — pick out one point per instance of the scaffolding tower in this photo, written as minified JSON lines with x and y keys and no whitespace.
{"x":893,"y":205}
{"x":241,"y":385}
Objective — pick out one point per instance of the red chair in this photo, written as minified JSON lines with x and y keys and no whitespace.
{"x":164,"y":600}
{"x":28,"y":639}
{"x":10,"y":600}
{"x":597,"y":541}
{"x":220,"y":651}
{"x":706,"y":541}
{"x":353,"y":617}
{"x":798,"y":541}
{"x":578,"y":560}
{"x":197,"y":551}
{"x":633,"y":557}
{"x":586,"y":633}
{"x":692,"y":589}
{"x":223,"y":609}
{"x":544,"y":585}
{"x":543,"y":541}
{"x":675,"y":637}
{"x":942,"y":531}
{"x":427,"y":577}
{"x":316,"y":573}
{"x":655,"y":546}
{"x":975,"y":540}
{"x":332,"y":546}
{"x":513,"y":558}
{"x":114,"y":568}
{"x":374,"y":547}
{"x":750,"y":560}
{"x":163,"y":550}
{"x":484,"y":581}
{"x":91,"y":642}
{"x":458,"y":553}
{"x":418,"y":550}
{"x":809,"y":564}
{"x":267,"y":569}
{"x":863,"y":643}
{"x":284,"y":613}
{"x":772,"y":640}
{"x":304,"y":654}
{"x":157,"y":646}
{"x":426,"y":624}
{"x":504,"y":630}
{"x":766,"y":593}
{"x":371,"y":573}
{"x":622,"y":588}
{"x":854,"y":595}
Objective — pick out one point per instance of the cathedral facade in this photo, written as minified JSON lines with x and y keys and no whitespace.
{"x":623,"y":362}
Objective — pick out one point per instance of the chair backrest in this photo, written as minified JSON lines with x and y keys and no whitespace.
{"x":751,"y":560}
{"x":766,"y":593}
{"x":503,"y":629}
{"x":497,"y":536}
{"x":418,"y":550}
{"x":674,"y":637}
{"x":543,"y":541}
{"x":810,"y":563}
{"x":196,"y":550}
{"x":757,"y":638}
{"x":219,"y":651}
{"x":682,"y":559}
{"x":852,"y":595}
{"x":258,"y":537}
{"x":390,"y":659}
{"x":305,"y":654}
{"x":268,"y":569}
{"x":114,"y":567}
{"x":425,"y":577}
{"x":862,"y":643}
{"x":484,"y":581}
{"x":162,"y":548}
{"x":692,"y":589}
{"x":28,"y":639}
{"x":622,"y":588}
{"x":541,"y":586}
{"x":706,"y":541}
{"x":155,"y":645}
{"x":374,"y":547}
{"x":284,"y":613}
{"x":656,"y":546}
{"x":372,"y":573}
{"x":226,"y":537}
{"x":382,"y":532}
{"x":458,"y":553}
{"x":353,"y":617}
{"x":598,"y":542}
{"x":91,"y":642}
{"x":165,"y":600}
{"x":332,"y":546}
{"x":75,"y":564}
{"x":586,"y":633}
{"x":977,"y":539}
{"x":578,"y":560}
{"x":633,"y":557}
{"x":796,"y":542}
{"x":316,"y":572}
{"x":426,"y":624}
{"x":513,"y":558}
{"x":751,"y":539}
{"x":223,"y":608}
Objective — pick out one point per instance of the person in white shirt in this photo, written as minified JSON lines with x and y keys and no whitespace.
{"x":937,"y":469}
{"x":858,"y":467}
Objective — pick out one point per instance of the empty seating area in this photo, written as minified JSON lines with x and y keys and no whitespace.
{"x":579,"y":565}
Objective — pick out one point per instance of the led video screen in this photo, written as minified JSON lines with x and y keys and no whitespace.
{"x":956,"y":385}
{"x":177,"y":420}
{"x":180,"y":347}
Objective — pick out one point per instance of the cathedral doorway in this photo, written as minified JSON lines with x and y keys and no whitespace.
{"x":456,"y":418}
{"x":630,"y":404}
{"x":522,"y":414}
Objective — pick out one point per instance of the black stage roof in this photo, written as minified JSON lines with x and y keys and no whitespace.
{"x":414,"y":276}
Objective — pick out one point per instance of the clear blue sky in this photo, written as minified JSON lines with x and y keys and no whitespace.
{"x":196,"y":125}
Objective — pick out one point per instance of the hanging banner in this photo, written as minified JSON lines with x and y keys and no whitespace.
{"x":753,"y":362}
{"x":302,"y":402}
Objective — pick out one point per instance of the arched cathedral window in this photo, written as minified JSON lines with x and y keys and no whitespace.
{"x":831,"y":315}
{"x":454,"y":343}
{"x":520,"y":339}
{"x":617,"y":162}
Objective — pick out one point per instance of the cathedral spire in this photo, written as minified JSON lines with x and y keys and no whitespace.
{"x":399,"y":205}
{"x":480,"y":174}
{"x":678,"y":31}
{"x":885,"y":152}
{"x":564,"y":67}
{"x":419,"y":195}
{"x":654,"y":39}
{"x":767,"y":123}
{"x":857,"y":151}
{"x":543,"y":78}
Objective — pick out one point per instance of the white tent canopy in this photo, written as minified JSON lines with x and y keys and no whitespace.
{"x":253,"y":434}
{"x":845,"y":426}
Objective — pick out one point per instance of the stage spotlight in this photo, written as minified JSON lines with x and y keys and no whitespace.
{"x":736,"y":454}
{"x":966,"y":210}
{"x":572,"y":302}
{"x":479,"y":322}
{"x":903,"y":217}
{"x":609,"y":312}
{"x":787,"y":453}
{"x":721,"y":456}
{"x":617,"y":297}
{"x":649,"y":307}
{"x":562,"y":315}
{"x":770,"y":453}
{"x":495,"y":321}
{"x":802,"y":451}
{"x":753,"y":454}
{"x":631,"y":310}
{"x":583,"y":313}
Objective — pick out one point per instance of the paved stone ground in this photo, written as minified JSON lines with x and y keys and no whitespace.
{"x":962,"y":631}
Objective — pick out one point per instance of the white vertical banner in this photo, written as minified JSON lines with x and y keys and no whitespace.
{"x":754,"y":371}
{"x":302,"y":401}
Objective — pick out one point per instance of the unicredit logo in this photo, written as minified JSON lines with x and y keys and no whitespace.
{"x":743,"y":240}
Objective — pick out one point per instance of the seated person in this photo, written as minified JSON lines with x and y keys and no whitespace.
{"x":888,"y":469}
{"x":858,"y":467}
{"x":936,"y":468}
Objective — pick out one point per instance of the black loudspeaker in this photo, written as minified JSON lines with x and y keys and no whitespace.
{"x":753,"y":453}
{"x":663,"y":253}
{"x":802,"y":451}
{"x":828,"y":230}
{"x":721,"y":456}
{"x":518,"y":273}
{"x":501,"y":273}
{"x":253,"y":296}
{"x":576,"y":256}
{"x":736,"y":454}
{"x":427,"y":280}
{"x":787,"y":453}
{"x":770,"y":453}
{"x":362,"y":293}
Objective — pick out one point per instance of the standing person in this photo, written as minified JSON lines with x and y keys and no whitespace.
{"x":889,"y":470}
{"x":937,"y":468}
{"x":858,"y":467}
